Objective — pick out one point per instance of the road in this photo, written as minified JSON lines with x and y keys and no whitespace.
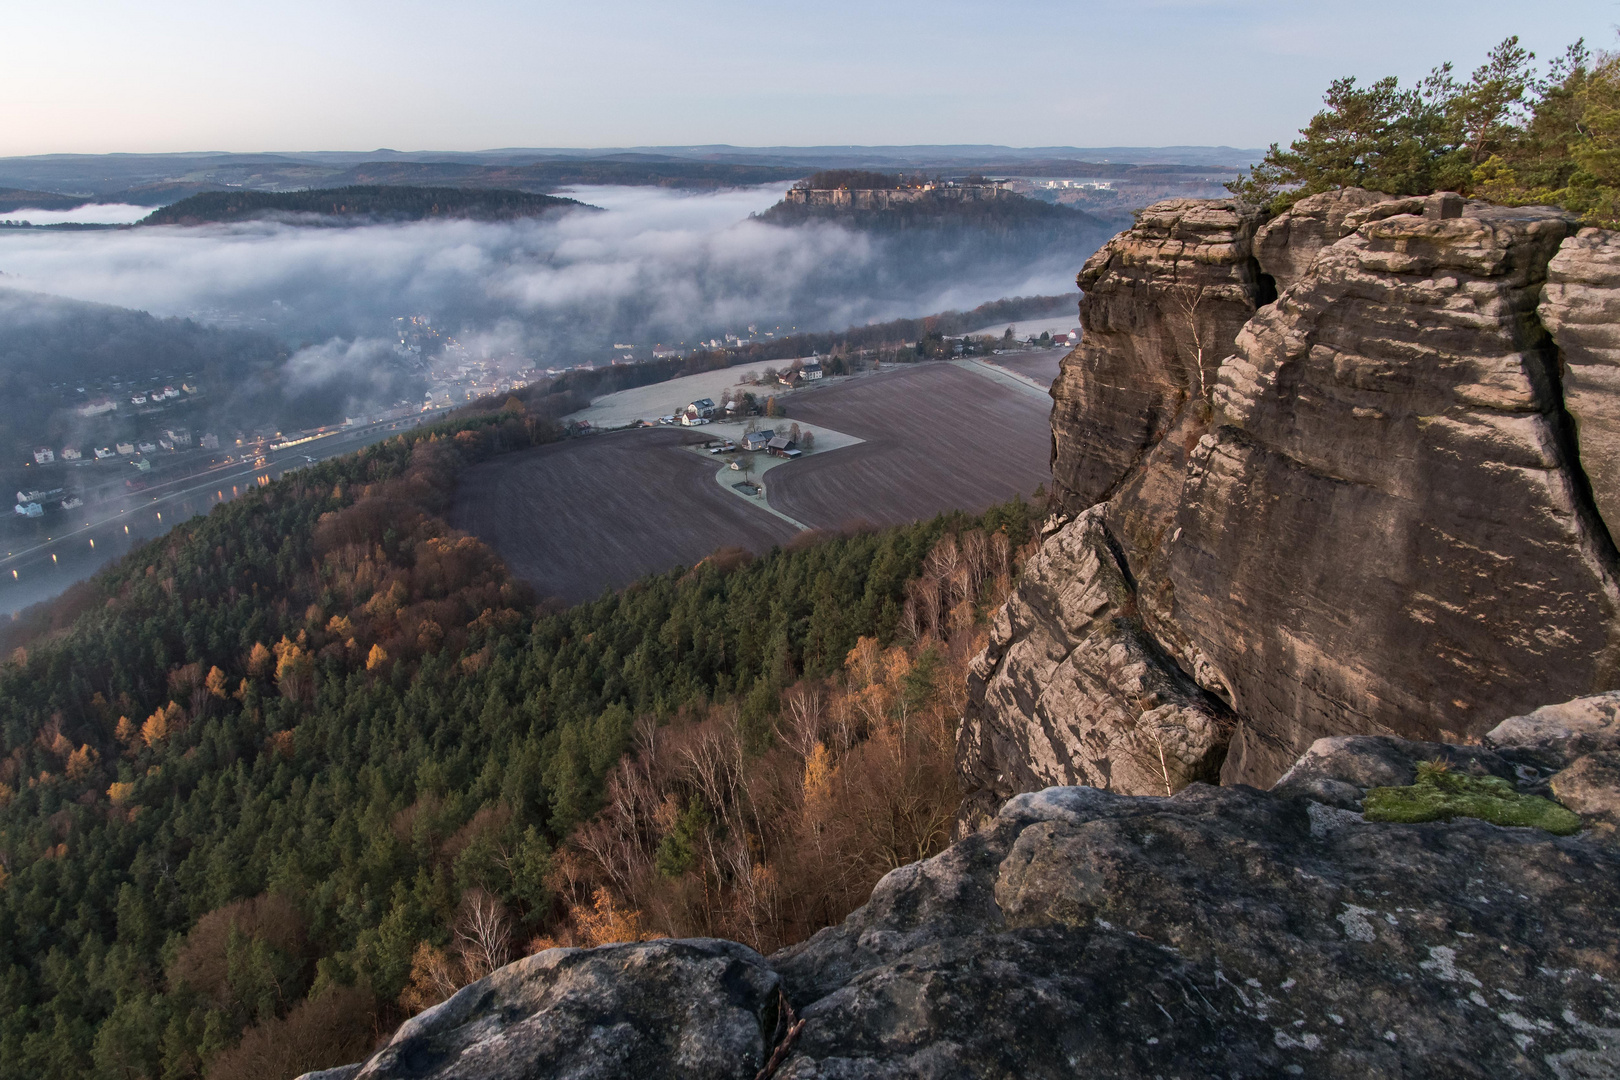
{"x":94,"y":535}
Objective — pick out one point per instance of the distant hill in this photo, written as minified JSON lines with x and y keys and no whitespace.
{"x":884,"y":202}
{"x":370,"y":202}
{"x":13,"y":199}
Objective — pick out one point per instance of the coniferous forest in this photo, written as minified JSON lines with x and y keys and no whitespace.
{"x":307,"y":764}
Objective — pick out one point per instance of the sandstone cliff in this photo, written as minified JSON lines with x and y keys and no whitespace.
{"x":1342,"y":472}
{"x":1221,"y":932}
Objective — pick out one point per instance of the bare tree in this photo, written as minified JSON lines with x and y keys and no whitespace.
{"x":804,"y":711}
{"x":483,"y":934}
{"x":1188,"y":300}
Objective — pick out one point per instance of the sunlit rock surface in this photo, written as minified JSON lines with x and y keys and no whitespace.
{"x":1382,"y":513}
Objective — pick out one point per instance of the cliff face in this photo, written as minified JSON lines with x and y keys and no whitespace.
{"x":1224,"y":931}
{"x":1376,"y":507}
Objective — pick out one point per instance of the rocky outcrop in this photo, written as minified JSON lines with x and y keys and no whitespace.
{"x":699,"y":1009}
{"x":1220,"y":932}
{"x":1163,"y":300}
{"x":1581,"y":308}
{"x":1376,"y":516}
{"x":1107,"y":710}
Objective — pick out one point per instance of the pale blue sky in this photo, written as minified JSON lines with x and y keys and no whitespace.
{"x":94,"y":76}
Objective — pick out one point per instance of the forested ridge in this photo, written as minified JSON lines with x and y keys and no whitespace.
{"x":369,"y":202}
{"x":306,"y":764}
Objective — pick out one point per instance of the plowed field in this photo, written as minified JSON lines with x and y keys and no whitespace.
{"x":579,"y":516}
{"x":937,"y":438}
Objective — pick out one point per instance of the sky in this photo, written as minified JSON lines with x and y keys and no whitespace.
{"x":100,"y":76}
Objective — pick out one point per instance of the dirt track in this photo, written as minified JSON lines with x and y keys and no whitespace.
{"x":579,"y":516}
{"x":937,"y":438}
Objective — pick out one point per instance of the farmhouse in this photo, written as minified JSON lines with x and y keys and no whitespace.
{"x":811,"y":372}
{"x":782,"y":446}
{"x":701,"y":409}
{"x":758,"y":440}
{"x":789,"y":378}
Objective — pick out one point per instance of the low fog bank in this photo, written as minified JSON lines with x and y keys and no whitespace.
{"x":658,"y":267}
{"x":88,"y":214}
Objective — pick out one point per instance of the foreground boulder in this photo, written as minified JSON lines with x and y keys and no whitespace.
{"x":1219,"y":932}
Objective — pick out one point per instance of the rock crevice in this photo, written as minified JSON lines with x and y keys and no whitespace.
{"x":1376,"y":514}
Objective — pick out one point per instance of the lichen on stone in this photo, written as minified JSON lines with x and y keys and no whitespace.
{"x":1441,"y":795}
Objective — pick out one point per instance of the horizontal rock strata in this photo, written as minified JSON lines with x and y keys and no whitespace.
{"x":1383,"y":513}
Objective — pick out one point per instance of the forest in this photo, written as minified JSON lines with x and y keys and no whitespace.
{"x":276,"y":781}
{"x":1512,"y":132}
{"x":371,"y":203}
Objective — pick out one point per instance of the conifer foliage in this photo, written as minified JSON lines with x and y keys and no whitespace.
{"x":307,"y":764}
{"x":1511,"y":132}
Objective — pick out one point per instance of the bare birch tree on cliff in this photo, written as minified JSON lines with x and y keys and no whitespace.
{"x":1187,"y":301}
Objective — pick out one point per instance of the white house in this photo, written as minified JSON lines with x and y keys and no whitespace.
{"x":103,"y":453}
{"x":97,"y":406}
{"x":701,"y":409}
{"x":811,"y":371}
{"x":70,"y":454}
{"x":125,"y":447}
{"x":44,"y":456}
{"x":137,"y":399}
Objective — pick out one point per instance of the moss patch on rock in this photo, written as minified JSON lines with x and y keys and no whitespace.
{"x":1441,"y":795}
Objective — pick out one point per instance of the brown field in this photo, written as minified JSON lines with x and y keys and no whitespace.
{"x":579,"y":516}
{"x":937,"y":438}
{"x":1040,"y":365}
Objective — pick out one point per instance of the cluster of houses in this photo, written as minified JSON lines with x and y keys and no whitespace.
{"x":31,"y":503}
{"x":800,"y":374}
{"x":100,"y":406}
{"x":771,"y":443}
{"x":704,"y":410}
{"x":171,"y":439}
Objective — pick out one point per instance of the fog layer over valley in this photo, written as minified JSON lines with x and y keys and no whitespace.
{"x":657,"y":267}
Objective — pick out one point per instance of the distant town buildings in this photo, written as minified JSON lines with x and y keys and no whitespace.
{"x":44,"y":456}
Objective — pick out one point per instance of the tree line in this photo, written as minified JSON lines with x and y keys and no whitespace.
{"x":1511,"y":132}
{"x":369,"y":201}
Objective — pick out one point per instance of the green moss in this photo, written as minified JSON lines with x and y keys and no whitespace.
{"x":1440,"y":795}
